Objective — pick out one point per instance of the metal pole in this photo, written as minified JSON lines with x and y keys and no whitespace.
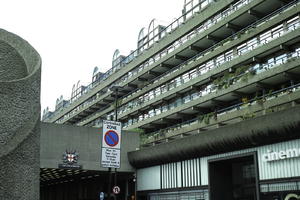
{"x":116,"y":119}
{"x":109,"y":183}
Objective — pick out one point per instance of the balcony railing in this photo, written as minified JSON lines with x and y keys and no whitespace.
{"x":168,"y":50}
{"x":211,"y":88}
{"x":273,"y":34}
{"x":242,"y":49}
{"x":161,"y":135}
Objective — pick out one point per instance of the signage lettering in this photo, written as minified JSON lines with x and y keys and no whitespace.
{"x":281,"y":155}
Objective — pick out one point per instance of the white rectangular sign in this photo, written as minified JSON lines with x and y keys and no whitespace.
{"x":110,"y":158}
{"x":111,"y":144}
{"x":111,"y":134}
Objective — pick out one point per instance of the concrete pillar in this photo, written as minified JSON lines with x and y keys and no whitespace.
{"x":20,"y":68}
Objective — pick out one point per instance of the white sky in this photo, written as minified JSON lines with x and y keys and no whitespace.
{"x":74,"y":36}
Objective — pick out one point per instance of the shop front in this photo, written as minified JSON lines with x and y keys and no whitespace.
{"x":269,"y":172}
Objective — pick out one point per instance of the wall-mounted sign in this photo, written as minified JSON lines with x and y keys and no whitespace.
{"x":281,"y":155}
{"x":70,"y":160}
{"x":111,"y":144}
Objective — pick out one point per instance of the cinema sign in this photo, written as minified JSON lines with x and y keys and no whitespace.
{"x":281,"y":155}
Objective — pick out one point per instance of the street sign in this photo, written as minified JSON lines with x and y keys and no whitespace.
{"x":111,"y":144}
{"x":110,"y":158}
{"x":116,"y":190}
{"x":111,"y":134}
{"x":111,"y":138}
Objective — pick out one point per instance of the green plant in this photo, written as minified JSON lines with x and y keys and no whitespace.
{"x":241,"y":70}
{"x":269,"y":110}
{"x":248,"y":115}
{"x":260,"y":101}
{"x":207,"y":117}
{"x":119,"y":102}
{"x":270,"y":92}
{"x":200,"y":118}
{"x":244,"y":78}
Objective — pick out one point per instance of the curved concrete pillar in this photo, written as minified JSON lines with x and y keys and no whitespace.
{"x":20,"y":74}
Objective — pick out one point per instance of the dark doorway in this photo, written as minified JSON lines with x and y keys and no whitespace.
{"x":68,"y":184}
{"x":233,"y":178}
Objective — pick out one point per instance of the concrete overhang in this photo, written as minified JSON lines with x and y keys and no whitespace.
{"x":267,"y":129}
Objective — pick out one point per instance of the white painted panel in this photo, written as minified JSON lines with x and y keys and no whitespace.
{"x":190,"y":172}
{"x":192,"y":175}
{"x":148,"y":178}
{"x":179,"y":178}
{"x":198,"y":172}
{"x":285,"y":167}
{"x":184,"y":178}
{"x":163,"y":181}
{"x":204,"y":171}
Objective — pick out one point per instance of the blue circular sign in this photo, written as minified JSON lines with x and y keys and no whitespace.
{"x":111,"y":138}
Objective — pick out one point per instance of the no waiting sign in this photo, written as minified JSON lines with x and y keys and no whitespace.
{"x":111,"y":134}
{"x":111,"y":144}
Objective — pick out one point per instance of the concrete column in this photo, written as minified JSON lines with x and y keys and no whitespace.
{"x":20,"y":68}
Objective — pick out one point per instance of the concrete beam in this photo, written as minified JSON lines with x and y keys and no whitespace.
{"x":285,"y":48}
{"x":183,"y":115}
{"x":233,"y":27}
{"x":131,"y":85}
{"x":195,"y":48}
{"x":292,"y":76}
{"x":166,"y":66}
{"x":195,"y":88}
{"x":263,"y":85}
{"x":142,"y":79}
{"x":255,"y":13}
{"x":178,"y":94}
{"x":284,"y":1}
{"x":182,"y":58}
{"x":153,"y":73}
{"x":200,"y":130}
{"x":257,"y":59}
{"x":239,"y":94}
{"x":217,"y":102}
{"x":213,"y":38}
{"x":201,"y":109}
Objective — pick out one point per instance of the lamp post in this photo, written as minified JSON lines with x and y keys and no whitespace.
{"x":115,"y":89}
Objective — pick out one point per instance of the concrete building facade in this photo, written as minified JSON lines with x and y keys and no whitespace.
{"x":71,"y":163}
{"x":214,"y":96}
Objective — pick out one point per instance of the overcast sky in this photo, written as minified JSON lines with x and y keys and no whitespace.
{"x":74,"y":36}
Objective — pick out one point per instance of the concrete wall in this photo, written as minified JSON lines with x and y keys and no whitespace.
{"x":20,"y":73}
{"x":87,"y":141}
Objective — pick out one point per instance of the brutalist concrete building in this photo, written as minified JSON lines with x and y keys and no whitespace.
{"x":215,"y":97}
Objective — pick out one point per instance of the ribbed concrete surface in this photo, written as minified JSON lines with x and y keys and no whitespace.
{"x":267,"y":129}
{"x":20,"y":73}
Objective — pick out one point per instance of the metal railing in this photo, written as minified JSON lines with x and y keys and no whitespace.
{"x":160,"y":135}
{"x":216,"y":45}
